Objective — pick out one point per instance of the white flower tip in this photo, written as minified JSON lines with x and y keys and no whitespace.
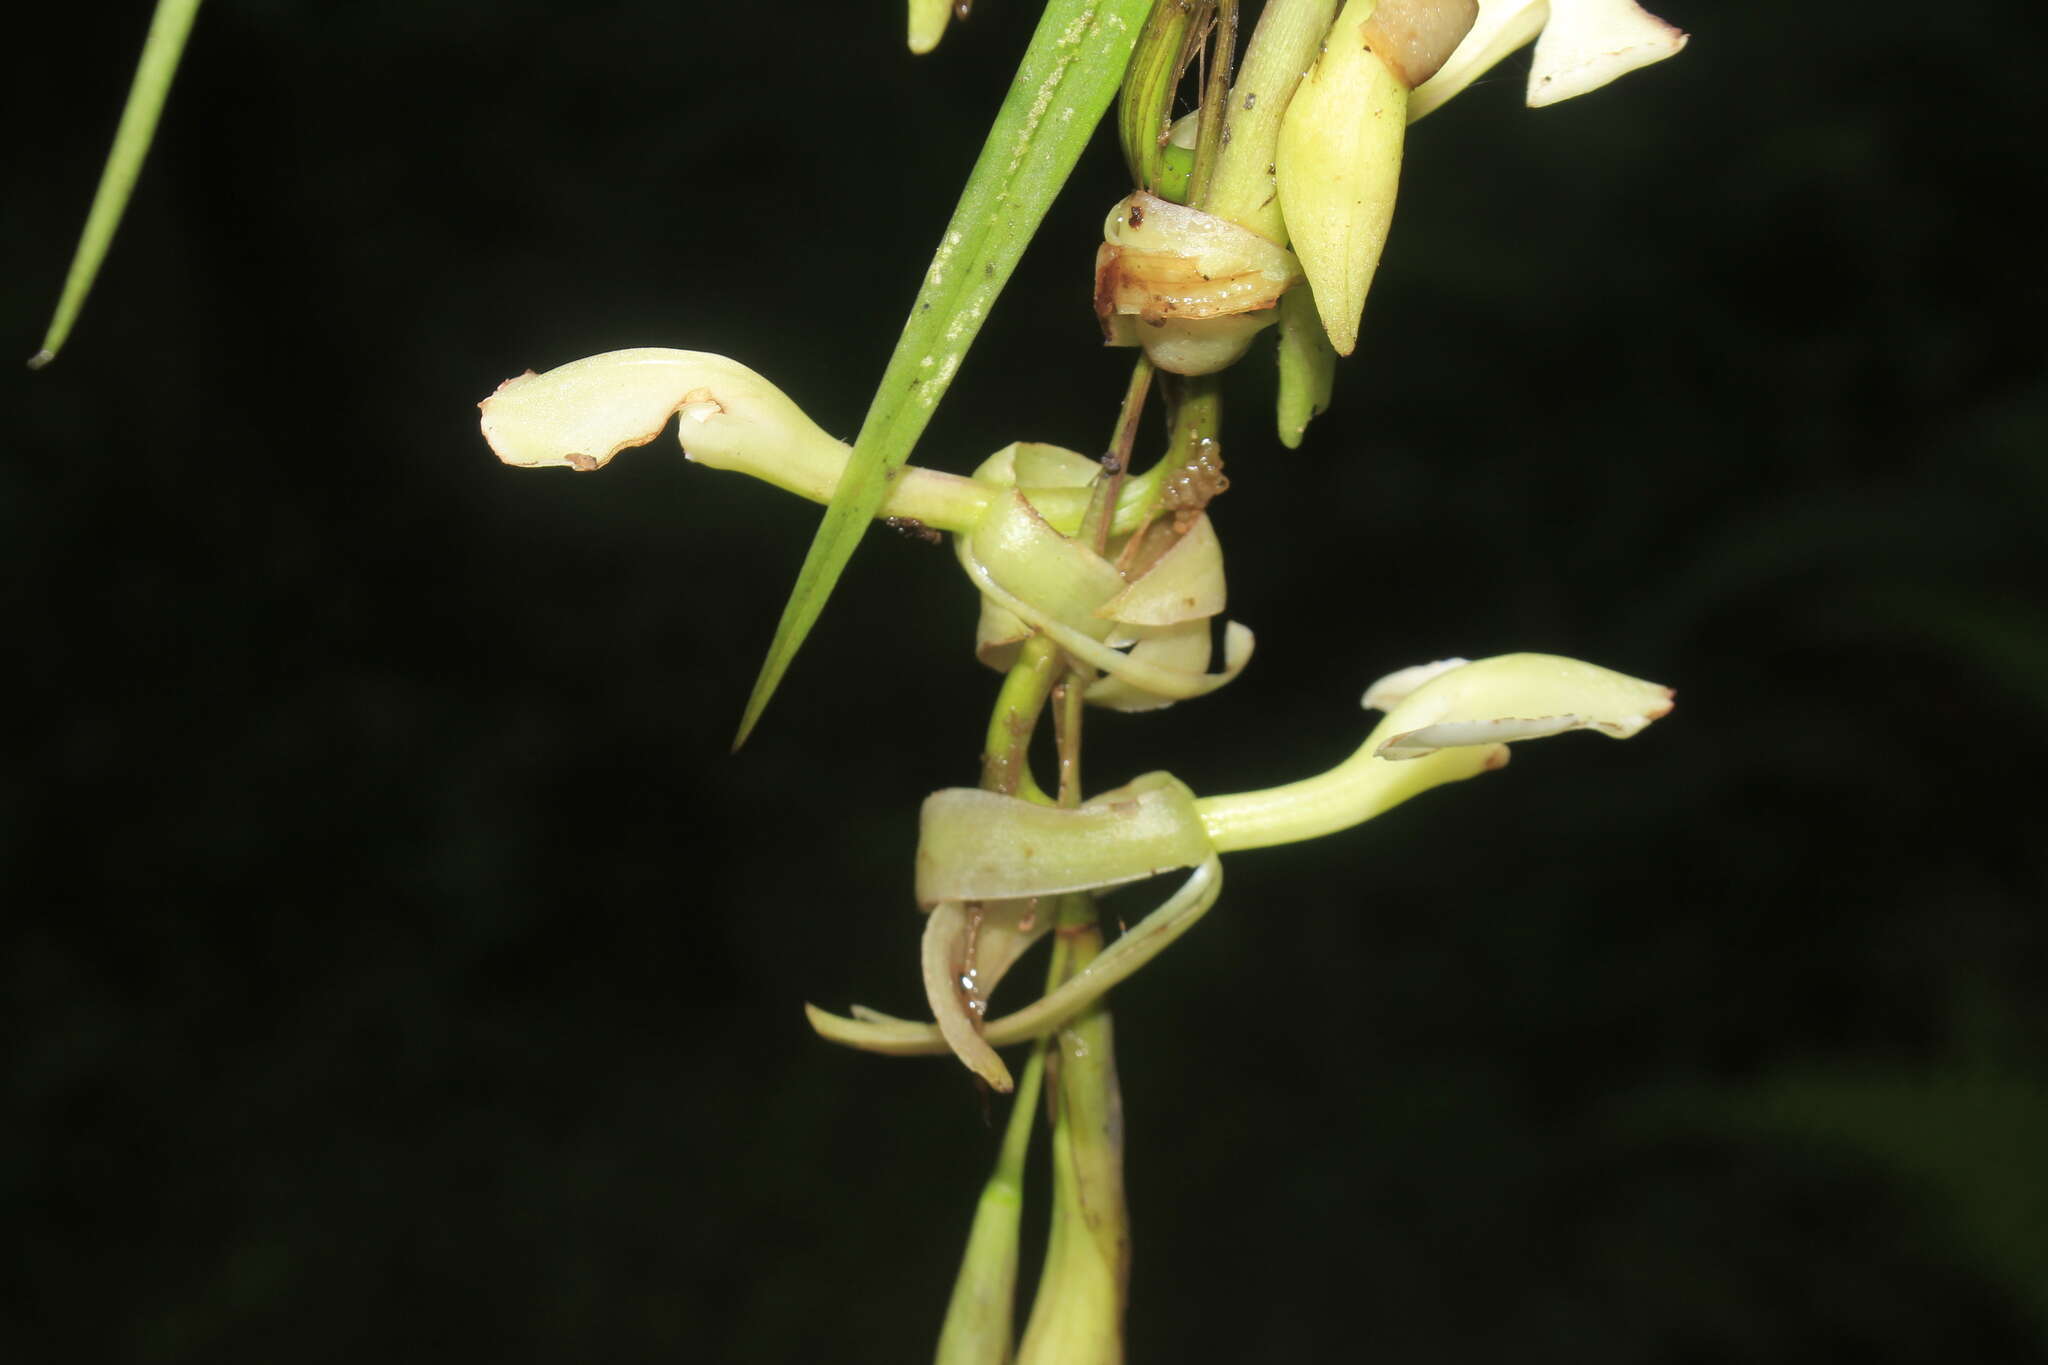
{"x":1588,"y":43}
{"x":579,"y":415}
{"x":1511,"y":697}
{"x":508,"y":427}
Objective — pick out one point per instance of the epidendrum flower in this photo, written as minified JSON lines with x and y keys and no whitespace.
{"x":985,"y":861}
{"x":1138,"y":612}
{"x":988,"y":864}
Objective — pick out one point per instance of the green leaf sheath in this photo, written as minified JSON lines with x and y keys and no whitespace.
{"x":1146,"y":108}
{"x":1068,"y":77}
{"x":153,"y":74}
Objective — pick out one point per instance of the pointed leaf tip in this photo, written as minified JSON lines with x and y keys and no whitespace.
{"x":1068,"y":77}
{"x":168,"y":30}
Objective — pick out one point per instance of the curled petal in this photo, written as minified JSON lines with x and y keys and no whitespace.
{"x":872,"y":1031}
{"x":1062,"y":578}
{"x":1037,"y":465}
{"x":1086,"y":644}
{"x":1184,"y":584}
{"x":968,"y":947}
{"x":1179,"y":649}
{"x":1003,"y":930}
{"x":982,"y":845}
{"x":1502,"y":27}
{"x":1035,"y":578}
{"x":1059,"y":484}
{"x":950,"y":989}
{"x":1588,"y":43}
{"x":1584,"y":44}
{"x":1517,"y":696}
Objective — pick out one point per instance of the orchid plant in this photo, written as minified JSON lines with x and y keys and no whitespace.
{"x":1261,"y":196}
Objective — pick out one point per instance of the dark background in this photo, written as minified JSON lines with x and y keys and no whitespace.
{"x":398,"y":967}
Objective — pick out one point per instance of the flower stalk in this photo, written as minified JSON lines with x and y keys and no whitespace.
{"x":1077,"y":1315}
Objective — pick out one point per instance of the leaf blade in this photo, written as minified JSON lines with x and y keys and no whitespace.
{"x":1064,"y":85}
{"x":168,"y":29}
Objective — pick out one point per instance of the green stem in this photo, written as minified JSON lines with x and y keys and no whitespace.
{"x":1194,"y":416}
{"x":1077,"y":1316}
{"x":1005,"y":755}
{"x":1211,"y":120}
{"x":1282,"y":46}
{"x":1096,"y":523}
{"x":978,"y":1318}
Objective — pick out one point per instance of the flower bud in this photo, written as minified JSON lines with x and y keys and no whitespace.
{"x":928,"y":23}
{"x":1339,"y":160}
{"x":1190,"y":287}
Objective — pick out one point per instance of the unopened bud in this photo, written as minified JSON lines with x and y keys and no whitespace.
{"x":1188,"y":286}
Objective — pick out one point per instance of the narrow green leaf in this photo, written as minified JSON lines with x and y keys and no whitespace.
{"x":1068,"y":77}
{"x":166,"y":43}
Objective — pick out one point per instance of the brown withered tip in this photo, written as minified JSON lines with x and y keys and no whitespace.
{"x":1416,"y":37}
{"x":582,"y":464}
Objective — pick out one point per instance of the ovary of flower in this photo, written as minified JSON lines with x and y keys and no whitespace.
{"x":1445,"y":722}
{"x":579,"y":415}
{"x":1581,"y":45}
